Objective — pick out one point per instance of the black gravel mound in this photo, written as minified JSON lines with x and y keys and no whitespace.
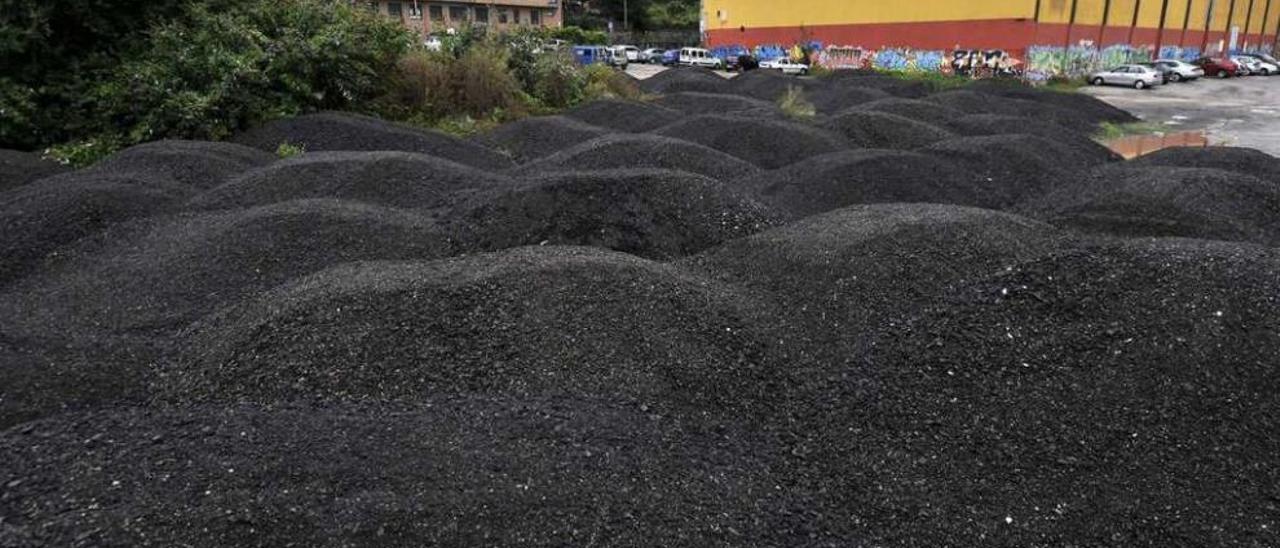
{"x":345,"y":131}
{"x":533,"y":138}
{"x":154,"y":278}
{"x":769,"y":144}
{"x":718,"y":103}
{"x":1011,"y":168}
{"x":835,"y":98}
{"x":1129,"y":200}
{"x":38,"y":218}
{"x":843,"y":274}
{"x":628,"y":116}
{"x":685,"y":79}
{"x":541,"y":320}
{"x":915,"y":109}
{"x":199,"y":164}
{"x":892,"y":85}
{"x":44,"y":378}
{"x":19,"y":168}
{"x":768,"y":85}
{"x":973,"y":102}
{"x":872,"y":129}
{"x":1077,"y":384}
{"x":997,"y":124}
{"x":657,"y":214}
{"x":1085,"y":106}
{"x":643,"y":151}
{"x":507,"y":471}
{"x":400,"y":179}
{"x":867,"y":176}
{"x":1240,"y":160}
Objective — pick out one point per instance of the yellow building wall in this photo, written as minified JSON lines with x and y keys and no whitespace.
{"x":772,"y":13}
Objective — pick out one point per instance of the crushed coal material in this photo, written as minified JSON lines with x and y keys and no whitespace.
{"x":1011,"y":168}
{"x":915,"y":109}
{"x":156,"y":277}
{"x":865,"y":176}
{"x":1240,"y":160}
{"x":38,"y":218}
{"x":1084,"y":106}
{"x":399,"y":179}
{"x":973,"y":102}
{"x":539,"y":320}
{"x":1076,"y":383}
{"x":1159,"y":201}
{"x":997,"y":124}
{"x":199,"y":164}
{"x":626,"y":151}
{"x":872,"y":129}
{"x":685,"y":79}
{"x":538,"y":137}
{"x":651,"y":213}
{"x":717,"y":103}
{"x":768,"y":85}
{"x":769,"y":144}
{"x":46,"y":378}
{"x":628,"y":116}
{"x":835,"y":98}
{"x":19,"y":168}
{"x":508,"y":470}
{"x":843,"y":274}
{"x":344,"y":131}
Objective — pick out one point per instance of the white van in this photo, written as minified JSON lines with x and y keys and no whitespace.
{"x":698,"y":57}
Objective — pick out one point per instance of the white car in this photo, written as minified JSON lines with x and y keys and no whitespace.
{"x":652,"y":55}
{"x":1180,"y":71}
{"x":631,"y":52}
{"x":1256,"y":65}
{"x":1136,"y":76}
{"x":1269,"y":63}
{"x":785,"y":65}
{"x":698,"y":57}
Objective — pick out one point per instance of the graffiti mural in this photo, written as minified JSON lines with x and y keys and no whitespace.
{"x":1175,"y":52}
{"x":909,"y":60}
{"x":845,"y":58}
{"x":973,"y":63}
{"x":1044,"y":62}
{"x":984,"y":63}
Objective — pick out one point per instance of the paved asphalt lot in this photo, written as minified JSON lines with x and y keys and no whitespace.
{"x":1238,"y":111}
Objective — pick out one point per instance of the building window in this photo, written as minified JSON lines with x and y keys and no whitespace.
{"x":482,"y":15}
{"x":503,"y":17}
{"x":535,"y":17}
{"x":393,"y":9}
{"x":437,"y":13}
{"x":415,"y":10}
{"x":457,"y":14}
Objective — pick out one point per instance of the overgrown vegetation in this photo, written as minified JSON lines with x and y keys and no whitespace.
{"x":1108,"y":131}
{"x":205,"y":70}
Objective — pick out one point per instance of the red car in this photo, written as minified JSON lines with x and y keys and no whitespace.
{"x":1218,"y":66}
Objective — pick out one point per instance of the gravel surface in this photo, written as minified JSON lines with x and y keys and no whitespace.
{"x":19,"y":168}
{"x":873,"y":129}
{"x":685,"y":79}
{"x":622,"y":151}
{"x":652,"y":213}
{"x":349,"y":132}
{"x":538,"y":137}
{"x":628,"y":116}
{"x":866,"y":176}
{"x":1128,"y":200}
{"x":679,"y":322}
{"x":400,"y":179}
{"x":769,"y":144}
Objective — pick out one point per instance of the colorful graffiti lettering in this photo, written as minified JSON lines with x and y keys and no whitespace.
{"x":1048,"y":61}
{"x":973,"y":63}
{"x":984,"y":63}
{"x":909,"y":60}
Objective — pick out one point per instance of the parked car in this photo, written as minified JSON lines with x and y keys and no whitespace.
{"x":1166,"y":73}
{"x":698,"y":57}
{"x":618,"y":57}
{"x":671,"y":58}
{"x":652,"y":55}
{"x":1265,"y":59}
{"x":632,"y":53}
{"x":1181,"y":71}
{"x":1137,"y":76}
{"x":1257,"y":65}
{"x":786,"y":66}
{"x":1220,"y":67}
{"x":590,"y":55}
{"x":747,"y":62}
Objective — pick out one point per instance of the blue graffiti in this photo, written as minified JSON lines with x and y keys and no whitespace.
{"x":1175,"y":52}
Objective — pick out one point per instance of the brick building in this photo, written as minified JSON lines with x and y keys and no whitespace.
{"x":432,"y":16}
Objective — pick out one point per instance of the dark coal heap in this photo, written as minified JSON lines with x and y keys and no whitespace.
{"x":913,"y":319}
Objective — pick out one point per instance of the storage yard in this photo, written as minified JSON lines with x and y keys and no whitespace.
{"x":919,"y":318}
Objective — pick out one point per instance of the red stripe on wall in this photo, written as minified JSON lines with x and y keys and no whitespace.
{"x":940,"y":35}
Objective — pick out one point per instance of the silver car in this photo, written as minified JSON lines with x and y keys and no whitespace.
{"x":1136,"y":76}
{"x":1180,"y":71}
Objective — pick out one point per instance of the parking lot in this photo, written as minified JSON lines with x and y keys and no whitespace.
{"x":1238,"y":111}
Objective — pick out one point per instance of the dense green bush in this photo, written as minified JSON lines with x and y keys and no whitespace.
{"x":578,"y":36}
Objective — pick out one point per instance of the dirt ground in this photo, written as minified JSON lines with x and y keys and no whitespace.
{"x":1241,"y":112}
